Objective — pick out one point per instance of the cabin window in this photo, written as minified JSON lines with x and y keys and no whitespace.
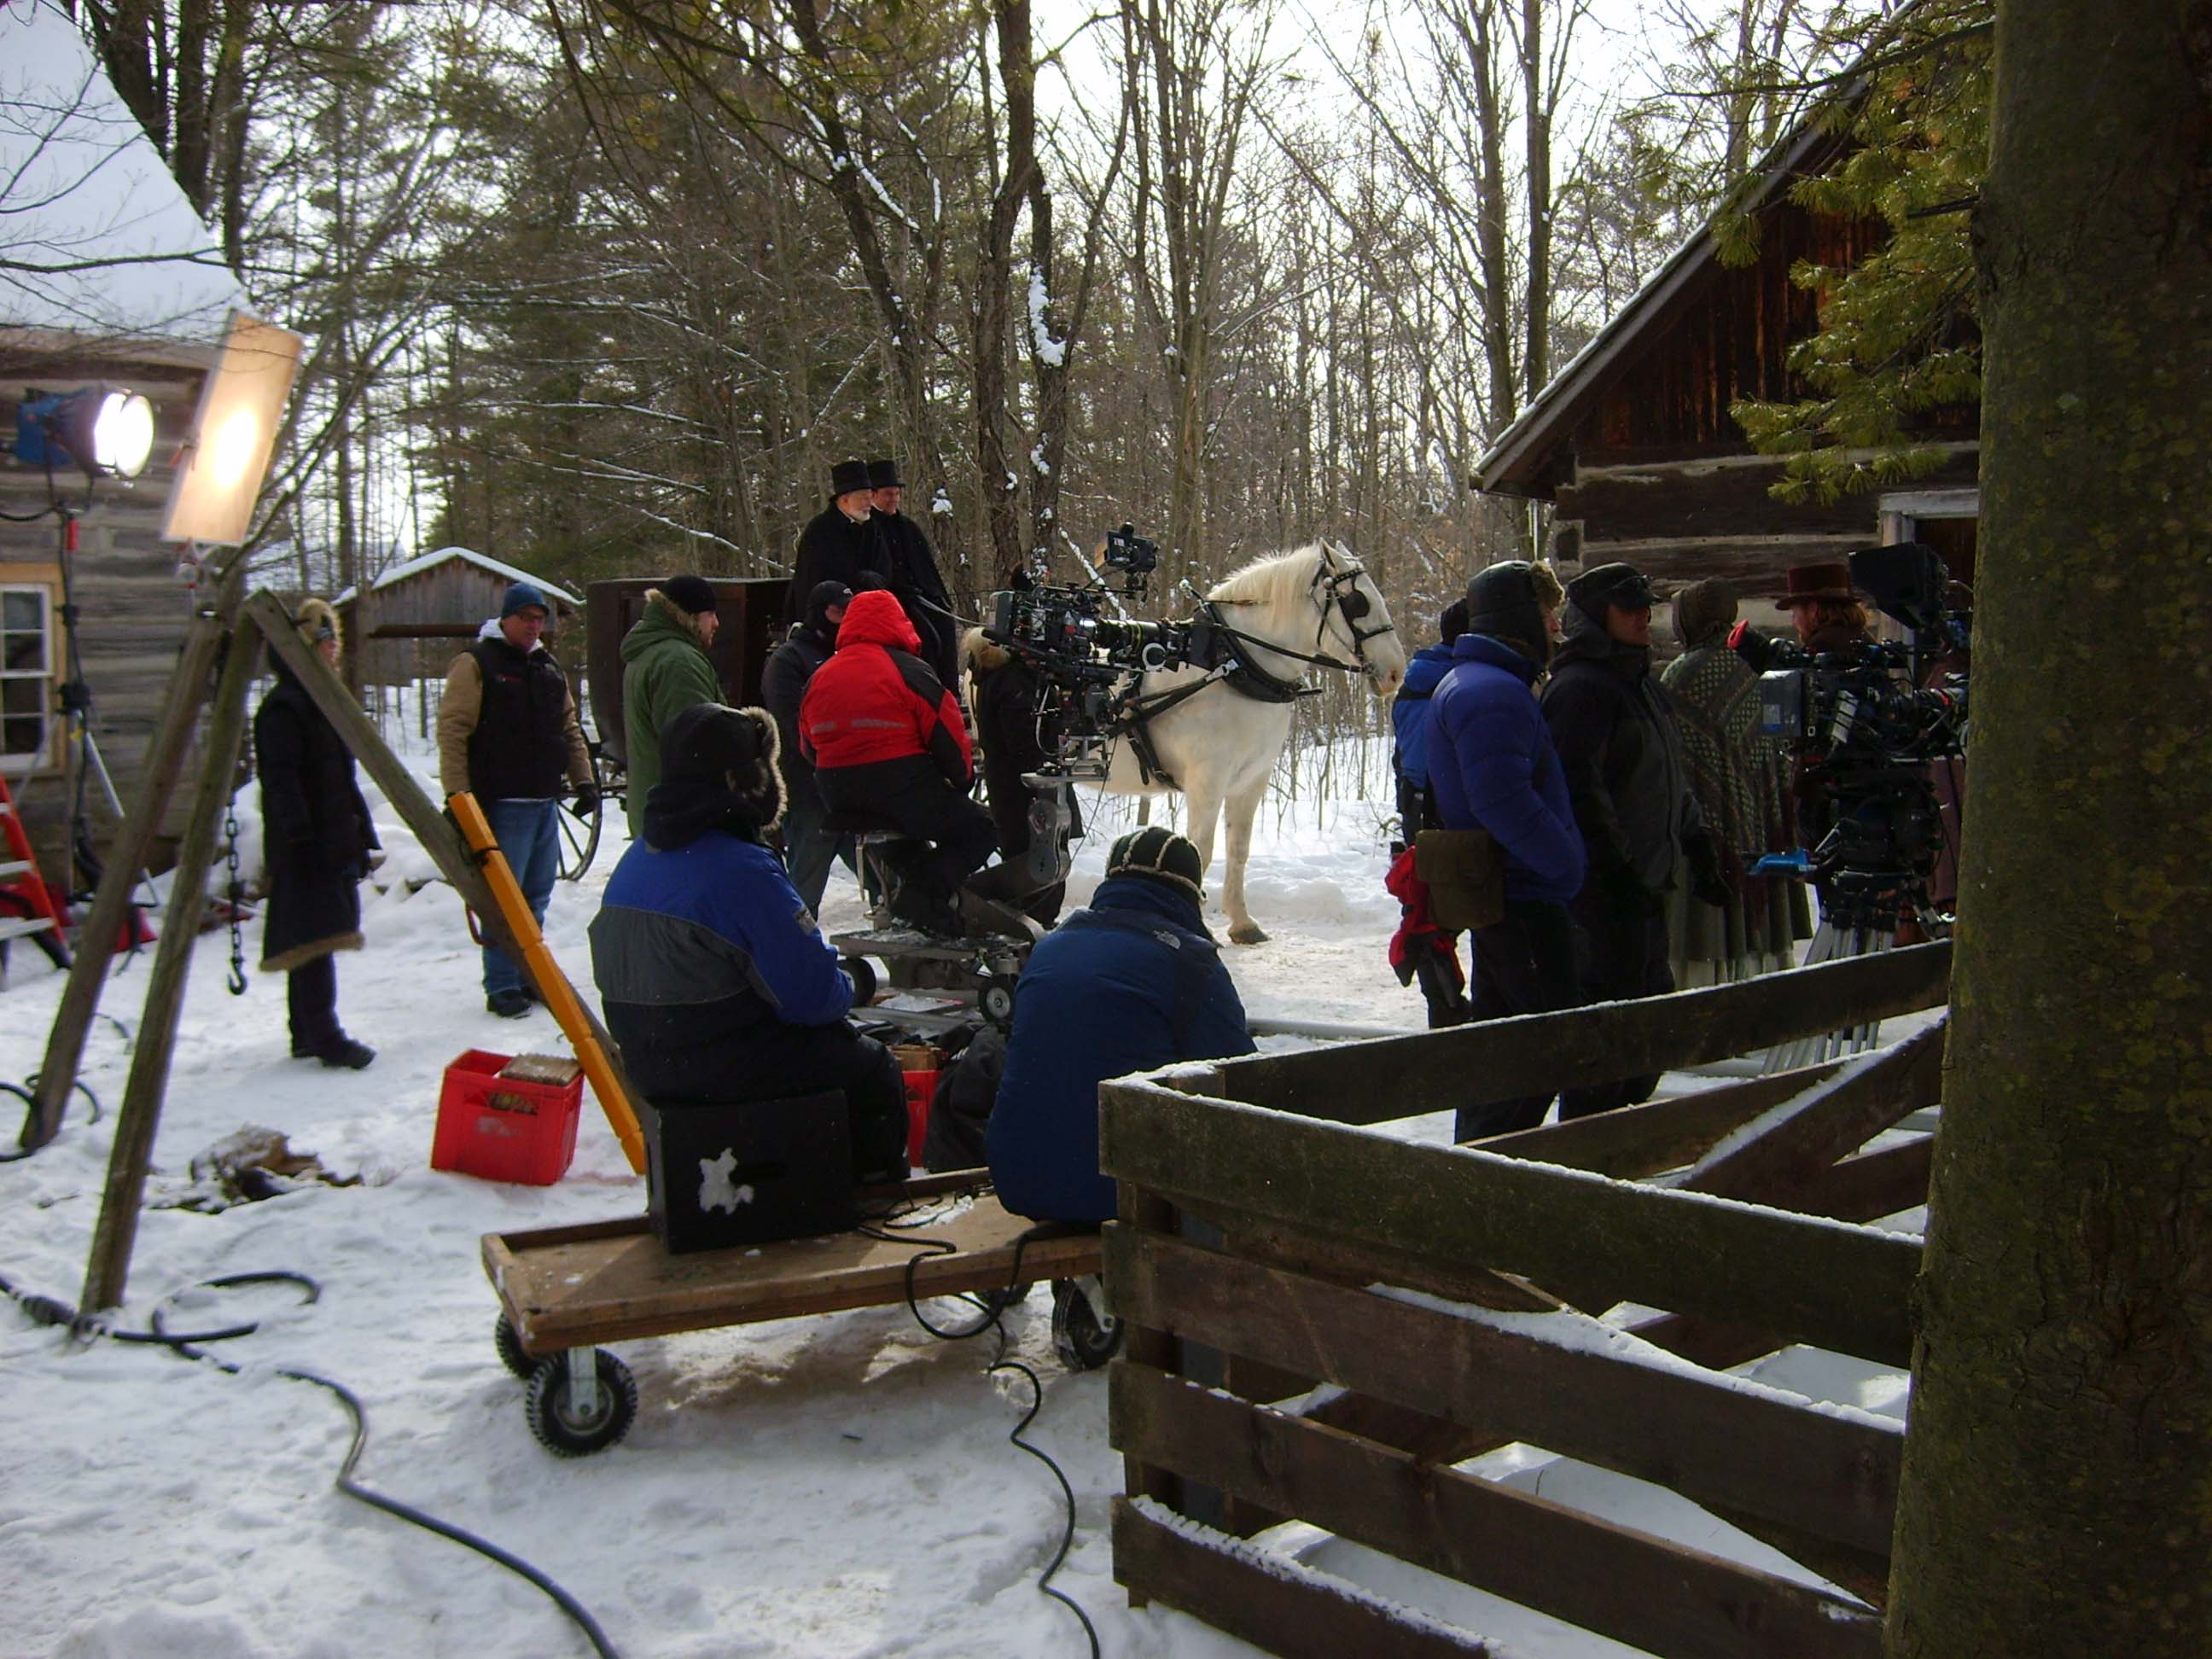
{"x":27,"y":677}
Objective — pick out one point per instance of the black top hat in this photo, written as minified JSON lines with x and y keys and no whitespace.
{"x":883,"y":474}
{"x":846,"y":477}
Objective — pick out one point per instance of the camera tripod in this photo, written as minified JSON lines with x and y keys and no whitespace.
{"x":1860,"y":913}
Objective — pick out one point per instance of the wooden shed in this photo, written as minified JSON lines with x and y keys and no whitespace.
{"x":409,"y":623}
{"x":112,"y":279}
{"x":1633,"y":445}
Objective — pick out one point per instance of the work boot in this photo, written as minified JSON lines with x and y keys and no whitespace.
{"x":508,"y":1005}
{"x":345,"y":1052}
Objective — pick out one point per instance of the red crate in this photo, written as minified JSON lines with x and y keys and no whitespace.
{"x":504,"y":1129}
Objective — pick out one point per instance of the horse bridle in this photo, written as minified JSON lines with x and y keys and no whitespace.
{"x":1343,"y":591}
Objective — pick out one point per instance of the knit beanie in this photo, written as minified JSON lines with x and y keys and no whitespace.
{"x":693,"y":595}
{"x":520,"y":596}
{"x":1704,"y":609}
{"x":1158,"y":854}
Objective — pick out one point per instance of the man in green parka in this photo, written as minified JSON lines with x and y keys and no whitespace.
{"x":665,"y":671}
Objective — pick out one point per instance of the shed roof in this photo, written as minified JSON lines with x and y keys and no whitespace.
{"x":415,"y":566}
{"x":1515,"y":463}
{"x":100,"y":237}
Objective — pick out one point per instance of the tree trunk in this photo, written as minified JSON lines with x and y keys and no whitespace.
{"x":2055,"y":1482}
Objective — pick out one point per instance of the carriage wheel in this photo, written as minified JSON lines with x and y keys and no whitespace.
{"x":580,"y":834}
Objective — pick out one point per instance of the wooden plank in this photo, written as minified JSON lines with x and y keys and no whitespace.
{"x":95,"y":944}
{"x":622,"y":1285}
{"x":1387,"y":1078}
{"x":108,"y":1267}
{"x":1658,"y":1134}
{"x":1829,"y":1475}
{"x":1776,"y":1157}
{"x":1873,"y":1184}
{"x":1270,"y":1601}
{"x":1805,"y":1279}
{"x":1644,"y":1591}
{"x":1147,"y":1346}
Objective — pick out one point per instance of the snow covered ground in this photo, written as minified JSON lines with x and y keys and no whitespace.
{"x":836,"y":1486}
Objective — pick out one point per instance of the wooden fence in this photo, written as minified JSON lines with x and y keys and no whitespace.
{"x":1270,"y":1242}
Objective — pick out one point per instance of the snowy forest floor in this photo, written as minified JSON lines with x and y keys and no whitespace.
{"x":832,"y":1487}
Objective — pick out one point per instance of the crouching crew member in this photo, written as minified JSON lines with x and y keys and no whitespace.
{"x":1133,"y":983}
{"x":887,"y":740}
{"x":717,"y":983}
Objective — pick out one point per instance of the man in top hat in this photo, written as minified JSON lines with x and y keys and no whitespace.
{"x":843,"y":543}
{"x":507,"y":732}
{"x":913,"y":574}
{"x":666,"y":670}
{"x":1614,"y":726}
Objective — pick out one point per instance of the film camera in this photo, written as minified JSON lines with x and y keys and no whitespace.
{"x":1866,"y":730}
{"x":1087,"y":653}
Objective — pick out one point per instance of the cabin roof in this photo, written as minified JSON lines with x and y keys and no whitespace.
{"x":416,"y":565}
{"x":101,"y":241}
{"x":1518,"y":462}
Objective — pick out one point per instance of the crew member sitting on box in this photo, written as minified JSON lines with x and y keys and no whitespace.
{"x":717,"y":985}
{"x":887,"y":740}
{"x":1133,"y":983}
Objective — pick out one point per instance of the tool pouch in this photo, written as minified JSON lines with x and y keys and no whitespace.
{"x":1465,"y":876}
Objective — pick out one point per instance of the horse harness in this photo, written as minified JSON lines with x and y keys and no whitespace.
{"x":1225,"y":654}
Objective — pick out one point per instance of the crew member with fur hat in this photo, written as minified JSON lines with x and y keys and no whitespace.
{"x":506,"y":732}
{"x":317,"y":838}
{"x":1132,"y":982}
{"x":665,"y":671}
{"x":1614,"y":726}
{"x":716,"y":982}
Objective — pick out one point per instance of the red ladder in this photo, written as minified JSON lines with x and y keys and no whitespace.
{"x":23,"y":888}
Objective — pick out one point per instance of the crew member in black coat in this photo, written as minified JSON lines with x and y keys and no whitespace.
{"x":317,"y":838}
{"x":808,"y":848}
{"x":913,"y":576}
{"x":1007,"y":693}
{"x":1614,"y":726}
{"x":843,"y":543}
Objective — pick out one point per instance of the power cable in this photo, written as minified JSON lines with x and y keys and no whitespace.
{"x":47,"y":1311}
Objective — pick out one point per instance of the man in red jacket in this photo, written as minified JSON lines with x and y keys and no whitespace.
{"x":887,"y":740}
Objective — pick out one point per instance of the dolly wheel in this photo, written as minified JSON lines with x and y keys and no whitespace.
{"x":568,"y":1429}
{"x":997,"y":1000}
{"x":512,"y":1353}
{"x":1081,"y":1339}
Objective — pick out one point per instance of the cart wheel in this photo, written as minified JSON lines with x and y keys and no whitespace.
{"x":997,"y":1000}
{"x":569,"y":1433}
{"x":1083,"y":1343}
{"x":864,"y":979}
{"x":512,"y":1354}
{"x":579,"y":837}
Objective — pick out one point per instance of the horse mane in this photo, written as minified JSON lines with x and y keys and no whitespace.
{"x":1274,"y":578}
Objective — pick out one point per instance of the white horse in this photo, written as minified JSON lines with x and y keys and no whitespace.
{"x":1217,"y":746}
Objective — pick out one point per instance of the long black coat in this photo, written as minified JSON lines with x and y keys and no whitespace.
{"x":316,"y":827}
{"x":832,"y":548}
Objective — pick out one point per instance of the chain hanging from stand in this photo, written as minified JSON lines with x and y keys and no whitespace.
{"x":234,"y":896}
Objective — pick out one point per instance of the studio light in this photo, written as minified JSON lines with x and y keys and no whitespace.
{"x":107,"y":430}
{"x":227,"y":454}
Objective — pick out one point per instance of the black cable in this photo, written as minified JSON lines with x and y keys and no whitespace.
{"x":993,"y":1319}
{"x":46,"y":1310}
{"x":31,"y":1111}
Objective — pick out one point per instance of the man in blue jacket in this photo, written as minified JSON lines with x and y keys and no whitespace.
{"x":717,"y":985}
{"x":1131,"y":983}
{"x":1492,"y":767}
{"x":1419,"y":949}
{"x":1409,"y":722}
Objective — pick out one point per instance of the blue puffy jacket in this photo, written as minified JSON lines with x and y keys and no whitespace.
{"x":705,"y":957}
{"x":1492,"y":767}
{"x":1132,"y":983}
{"x":1409,"y":723}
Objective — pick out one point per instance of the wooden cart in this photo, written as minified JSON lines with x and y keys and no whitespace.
{"x":563,"y":1290}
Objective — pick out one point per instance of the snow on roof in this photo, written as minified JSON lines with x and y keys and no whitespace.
{"x":96,"y":236}
{"x":415,"y":566}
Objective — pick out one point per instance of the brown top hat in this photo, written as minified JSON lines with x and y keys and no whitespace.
{"x":1811,"y":584}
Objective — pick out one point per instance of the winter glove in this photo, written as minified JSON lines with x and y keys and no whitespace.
{"x":1707,"y":880}
{"x":587,"y":801}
